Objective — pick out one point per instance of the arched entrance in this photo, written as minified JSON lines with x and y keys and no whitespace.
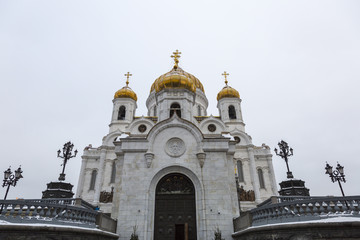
{"x":175,"y":211}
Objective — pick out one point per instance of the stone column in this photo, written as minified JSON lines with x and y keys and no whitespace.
{"x":253,"y":173}
{"x":100,"y":176}
{"x":80,"y":186}
{"x":272,"y":175}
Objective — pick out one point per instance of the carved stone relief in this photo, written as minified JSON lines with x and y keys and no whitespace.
{"x":175,"y":147}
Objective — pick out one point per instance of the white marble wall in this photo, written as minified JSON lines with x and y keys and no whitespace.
{"x":214,"y":181}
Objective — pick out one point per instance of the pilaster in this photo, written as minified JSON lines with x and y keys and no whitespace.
{"x":272,"y":175}
{"x":253,"y":173}
{"x":80,"y":186}
{"x":100,"y":176}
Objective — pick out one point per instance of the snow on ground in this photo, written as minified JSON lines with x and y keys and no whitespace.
{"x":330,"y":219}
{"x":2,"y":222}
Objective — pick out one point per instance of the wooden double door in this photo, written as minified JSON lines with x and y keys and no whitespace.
{"x":175,"y":210}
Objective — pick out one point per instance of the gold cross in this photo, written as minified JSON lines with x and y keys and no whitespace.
{"x":225,"y":74}
{"x":176,"y":57}
{"x":127,"y":77}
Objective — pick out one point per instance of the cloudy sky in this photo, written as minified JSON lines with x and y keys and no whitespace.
{"x":294,"y":63}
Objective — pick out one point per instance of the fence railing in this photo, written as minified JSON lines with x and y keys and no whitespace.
{"x":290,"y":209}
{"x":74,"y":211}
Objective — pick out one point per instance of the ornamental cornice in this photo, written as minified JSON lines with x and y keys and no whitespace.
{"x":250,"y":147}
{"x":242,"y":159}
{"x":90,"y":169}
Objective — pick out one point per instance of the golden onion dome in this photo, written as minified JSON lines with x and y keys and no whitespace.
{"x":177,"y":78}
{"x":227,"y":91}
{"x":126,"y":92}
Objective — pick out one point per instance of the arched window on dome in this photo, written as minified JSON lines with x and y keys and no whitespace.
{"x":232,"y":113}
{"x":240,"y":171}
{"x":175,"y":108}
{"x":155,"y":111}
{"x":261,"y":178}
{"x":199,"y":110}
{"x":113,"y":173}
{"x":122,"y":111}
{"x":93,"y":180}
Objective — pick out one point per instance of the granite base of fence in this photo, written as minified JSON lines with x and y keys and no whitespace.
{"x":73,"y":212}
{"x":298,"y":209}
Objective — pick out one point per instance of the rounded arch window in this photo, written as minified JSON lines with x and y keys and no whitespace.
{"x":175,"y":108}
{"x":122,"y":112}
{"x":237,"y":139}
{"x":232,"y":112}
{"x":175,"y":183}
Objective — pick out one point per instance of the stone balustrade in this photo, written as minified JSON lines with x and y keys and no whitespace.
{"x":292,"y":209}
{"x":74,"y":211}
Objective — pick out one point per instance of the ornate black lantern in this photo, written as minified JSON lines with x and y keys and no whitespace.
{"x":10,"y":179}
{"x":336,"y":175}
{"x":284,"y":153}
{"x":66,"y":155}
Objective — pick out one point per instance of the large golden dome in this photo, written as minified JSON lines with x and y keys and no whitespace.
{"x":177,"y":78}
{"x":126,"y":92}
{"x":227,"y":91}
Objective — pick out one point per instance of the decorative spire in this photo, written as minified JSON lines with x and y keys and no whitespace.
{"x":225,"y":74}
{"x":176,"y":57}
{"x":127,"y":75}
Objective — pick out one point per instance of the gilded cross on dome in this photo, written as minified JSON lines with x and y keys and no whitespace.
{"x":176,"y":57}
{"x":127,"y":75}
{"x":225,"y":74}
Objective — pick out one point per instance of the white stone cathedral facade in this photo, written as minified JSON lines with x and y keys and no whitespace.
{"x":175,"y":173}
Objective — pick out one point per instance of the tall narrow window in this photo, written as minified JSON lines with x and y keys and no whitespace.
{"x":155,"y":111}
{"x":240,"y":171}
{"x":122,"y":111}
{"x":175,"y":108}
{"x":113,"y":173}
{"x":261,"y":178}
{"x":93,"y":180}
{"x":232,"y":113}
{"x":199,"y":110}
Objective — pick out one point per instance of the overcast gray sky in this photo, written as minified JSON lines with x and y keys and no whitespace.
{"x":294,"y":63}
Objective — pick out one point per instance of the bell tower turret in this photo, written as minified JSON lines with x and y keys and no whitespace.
{"x":229,"y":104}
{"x":124,"y":107}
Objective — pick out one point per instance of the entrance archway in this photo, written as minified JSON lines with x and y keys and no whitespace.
{"x":175,"y":211}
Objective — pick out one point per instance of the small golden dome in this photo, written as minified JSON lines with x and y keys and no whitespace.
{"x":227,"y":91}
{"x":126,"y":92}
{"x":177,"y":78}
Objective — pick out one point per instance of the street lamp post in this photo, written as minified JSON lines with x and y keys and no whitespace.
{"x":66,"y":155}
{"x":285,"y":153}
{"x":10,"y":179}
{"x":336,"y":175}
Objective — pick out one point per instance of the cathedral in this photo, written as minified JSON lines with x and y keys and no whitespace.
{"x":177,"y":173}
